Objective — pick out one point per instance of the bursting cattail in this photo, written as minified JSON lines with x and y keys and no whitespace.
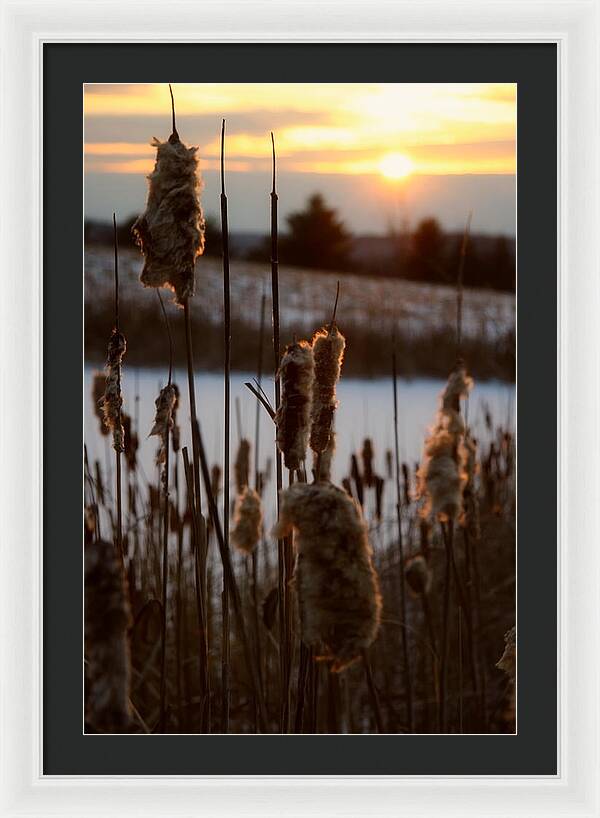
{"x":98,"y":387}
{"x":107,"y":620}
{"x":112,"y":400}
{"x":508,"y":660}
{"x":442,"y":475}
{"x":470,"y":518}
{"x":163,"y":422}
{"x":247,"y":521}
{"x":367,"y":461}
{"x":328,"y":350}
{"x":337,"y":586}
{"x":242,"y":466}
{"x":293,"y":416}
{"x":418,"y":575}
{"x":175,"y":431}
{"x":324,"y":460}
{"x":170,"y":233}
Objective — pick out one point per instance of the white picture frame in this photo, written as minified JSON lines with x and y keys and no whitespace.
{"x":574,"y":26}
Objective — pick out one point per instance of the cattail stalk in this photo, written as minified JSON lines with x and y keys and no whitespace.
{"x":282,"y":546}
{"x":405,"y":654}
{"x":234,"y":594}
{"x":225,"y":638}
{"x":163,"y":427}
{"x":118,"y":448}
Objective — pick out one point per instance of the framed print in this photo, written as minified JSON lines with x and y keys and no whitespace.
{"x":302,"y":492}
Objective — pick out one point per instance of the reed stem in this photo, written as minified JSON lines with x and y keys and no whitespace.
{"x":404,"y":637}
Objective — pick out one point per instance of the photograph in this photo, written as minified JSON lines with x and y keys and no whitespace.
{"x":299,"y":408}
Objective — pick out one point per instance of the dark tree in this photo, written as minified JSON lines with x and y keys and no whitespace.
{"x":427,"y":255}
{"x":316,"y":238}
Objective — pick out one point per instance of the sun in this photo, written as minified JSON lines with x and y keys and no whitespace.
{"x":395,"y":166}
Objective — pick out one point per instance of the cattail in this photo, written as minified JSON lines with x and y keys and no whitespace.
{"x":418,"y":575}
{"x":323,"y":461}
{"x":175,"y":431}
{"x":442,"y":474}
{"x":215,"y":480}
{"x":107,"y":620}
{"x":112,"y":400}
{"x":389,"y":464}
{"x":347,"y":486}
{"x":379,"y":487}
{"x":367,"y":461}
{"x":170,"y":233}
{"x":242,"y":465}
{"x":328,"y":350}
{"x":163,"y":422}
{"x":130,"y":441}
{"x":296,"y":372}
{"x":247,"y":521}
{"x":338,"y":589}
{"x":470,"y":516}
{"x":508,"y":660}
{"x":406,"y":483}
{"x":358,"y":481}
{"x":98,"y":387}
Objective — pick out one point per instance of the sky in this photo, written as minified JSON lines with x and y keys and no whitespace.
{"x":385,"y":155}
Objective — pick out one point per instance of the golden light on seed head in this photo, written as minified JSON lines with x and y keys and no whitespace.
{"x":396,"y":166}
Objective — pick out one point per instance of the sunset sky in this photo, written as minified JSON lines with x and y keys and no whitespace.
{"x":383,"y":154}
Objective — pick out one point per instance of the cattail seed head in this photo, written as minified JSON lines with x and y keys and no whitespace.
{"x":337,"y":586}
{"x":293,"y":416}
{"x":418,"y":575}
{"x":367,"y":461}
{"x":107,"y":620}
{"x":176,"y":431}
{"x":215,"y":480}
{"x":112,"y":400}
{"x":242,"y":465}
{"x":328,"y":350}
{"x":442,"y":476}
{"x":130,"y":441}
{"x":508,"y":660}
{"x":470,"y":518}
{"x":98,"y":387}
{"x":323,"y":461}
{"x":247,"y":521}
{"x":170,"y":233}
{"x":163,"y":423}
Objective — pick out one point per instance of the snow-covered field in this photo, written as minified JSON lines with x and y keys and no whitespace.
{"x":306,"y":297}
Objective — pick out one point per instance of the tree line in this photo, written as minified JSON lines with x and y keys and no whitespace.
{"x":316,"y":238}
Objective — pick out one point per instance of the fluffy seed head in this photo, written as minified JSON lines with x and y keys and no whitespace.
{"x":324,"y":460}
{"x":338,"y":590}
{"x":98,"y":386}
{"x":293,"y":416}
{"x":470,"y":518}
{"x":163,"y":423}
{"x":442,"y":475}
{"x":247,"y":521}
{"x":107,"y":620}
{"x":112,"y":400}
{"x":328,"y":350}
{"x":508,"y":660}
{"x":170,"y":233}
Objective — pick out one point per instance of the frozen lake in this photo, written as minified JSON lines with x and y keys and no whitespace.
{"x":365,"y":410}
